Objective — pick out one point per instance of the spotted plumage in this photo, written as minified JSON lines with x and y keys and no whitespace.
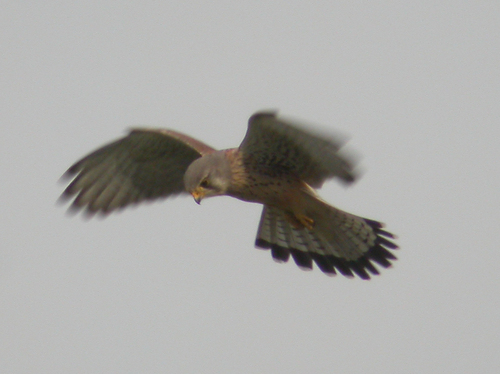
{"x":278,"y":164}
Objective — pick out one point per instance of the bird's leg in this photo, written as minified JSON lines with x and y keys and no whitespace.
{"x":306,"y":221}
{"x":299,"y":221}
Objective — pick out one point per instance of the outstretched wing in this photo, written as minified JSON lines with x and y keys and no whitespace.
{"x":279,"y":146}
{"x":145,"y":165}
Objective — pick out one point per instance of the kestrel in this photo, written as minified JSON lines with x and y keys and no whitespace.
{"x":278,"y":164}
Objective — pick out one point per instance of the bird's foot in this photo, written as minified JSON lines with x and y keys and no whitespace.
{"x":300,"y":221}
{"x":306,"y":221}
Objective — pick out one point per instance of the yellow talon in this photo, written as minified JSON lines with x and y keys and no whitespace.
{"x":305,"y":221}
{"x":299,"y":221}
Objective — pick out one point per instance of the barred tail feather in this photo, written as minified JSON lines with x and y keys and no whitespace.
{"x":338,"y":242}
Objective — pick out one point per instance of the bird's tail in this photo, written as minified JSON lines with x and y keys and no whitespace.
{"x":337,"y":241}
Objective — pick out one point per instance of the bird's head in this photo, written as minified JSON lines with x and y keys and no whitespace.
{"x":208,"y":176}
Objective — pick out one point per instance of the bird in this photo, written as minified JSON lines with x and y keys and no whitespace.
{"x":279,"y":164}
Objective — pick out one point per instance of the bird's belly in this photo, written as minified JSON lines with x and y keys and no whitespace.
{"x":266,"y":190}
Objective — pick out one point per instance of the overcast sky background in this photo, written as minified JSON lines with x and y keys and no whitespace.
{"x":177,"y":287}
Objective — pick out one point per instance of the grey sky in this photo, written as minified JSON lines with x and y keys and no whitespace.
{"x":177,"y":287}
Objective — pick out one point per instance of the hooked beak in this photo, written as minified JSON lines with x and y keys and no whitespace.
{"x":198,"y":195}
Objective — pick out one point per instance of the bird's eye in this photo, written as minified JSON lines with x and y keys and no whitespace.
{"x":204,"y":183}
